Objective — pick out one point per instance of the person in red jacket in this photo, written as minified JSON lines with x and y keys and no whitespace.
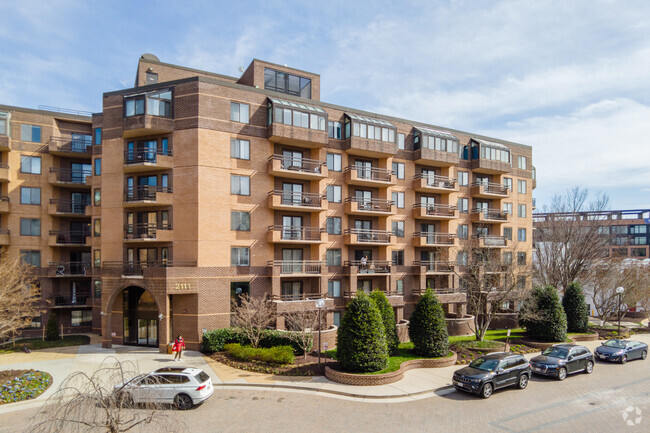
{"x":178,"y":347}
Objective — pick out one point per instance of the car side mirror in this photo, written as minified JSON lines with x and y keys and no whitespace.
{"x":499,"y":370}
{"x":570,"y":357}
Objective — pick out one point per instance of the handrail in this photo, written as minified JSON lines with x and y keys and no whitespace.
{"x":299,"y":297}
{"x":298,"y":164}
{"x":144,"y":192}
{"x":437,"y":181}
{"x":492,"y":187}
{"x":437,"y":209}
{"x":298,"y":233}
{"x":136,"y":156}
{"x":69,"y":144}
{"x":371,"y":173}
{"x":371,"y":204}
{"x":492,"y":240}
{"x":70,"y":268}
{"x":70,"y":206}
{"x":298,"y":266}
{"x":144,"y":230}
{"x":495,"y":214}
{"x":364,"y":235}
{"x":436,"y":266}
{"x":291,"y":198}
{"x":70,"y":237}
{"x":371,"y":266}
{"x":4,"y":231}
{"x":70,"y":175}
{"x":436,"y":237}
{"x":5,"y":198}
{"x":65,"y":110}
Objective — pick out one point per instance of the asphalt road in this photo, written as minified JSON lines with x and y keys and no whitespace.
{"x":582,"y":403}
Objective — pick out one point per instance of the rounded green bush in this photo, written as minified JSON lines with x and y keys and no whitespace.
{"x":542,"y":315}
{"x":388,"y":319}
{"x":361,"y":341}
{"x":576,"y":309}
{"x":427,"y":327}
{"x":52,"y":331}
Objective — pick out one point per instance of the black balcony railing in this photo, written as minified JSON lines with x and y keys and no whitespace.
{"x":303,"y":165}
{"x":70,"y":268}
{"x":436,"y":238}
{"x":70,"y":206}
{"x":80,"y":299}
{"x":142,"y":193}
{"x":435,"y":181}
{"x":436,"y":266}
{"x":70,"y":237}
{"x":298,"y":266}
{"x":492,"y":240}
{"x":442,"y":210}
{"x":492,"y":214}
{"x":492,"y":188}
{"x":297,"y":233}
{"x":293,"y":198}
{"x":137,"y":268}
{"x":371,"y":204}
{"x":81,"y":177}
{"x":72,"y":145}
{"x":298,"y":296}
{"x":370,"y":266}
{"x":370,"y":173}
{"x":371,"y":236}
{"x":136,"y":156}
{"x":144,"y":230}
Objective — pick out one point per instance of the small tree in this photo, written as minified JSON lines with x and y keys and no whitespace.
{"x":361,"y":342}
{"x":575,"y":308}
{"x":388,"y":319}
{"x":303,"y":324}
{"x":52,"y":328}
{"x":542,"y":315}
{"x":427,"y":327}
{"x":253,"y":315}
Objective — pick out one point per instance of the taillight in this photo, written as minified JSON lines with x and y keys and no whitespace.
{"x":201,"y":387}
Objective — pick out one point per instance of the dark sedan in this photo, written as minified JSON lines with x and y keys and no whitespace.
{"x":493,"y":371}
{"x":560,"y":360}
{"x":621,"y":351}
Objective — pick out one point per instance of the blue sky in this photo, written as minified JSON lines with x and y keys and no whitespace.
{"x":570,"y":78}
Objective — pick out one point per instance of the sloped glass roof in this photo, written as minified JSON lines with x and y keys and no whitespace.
{"x":298,"y":105}
{"x":369,"y":120}
{"x":491,"y":144}
{"x":436,"y":133}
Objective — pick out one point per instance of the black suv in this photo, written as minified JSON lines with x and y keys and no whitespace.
{"x":562,"y":359}
{"x":493,"y":371}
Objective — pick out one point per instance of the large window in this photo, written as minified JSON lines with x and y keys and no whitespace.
{"x":334,"y":161}
{"x":240,"y":221}
{"x":81,"y":318}
{"x":398,"y":258}
{"x":4,"y":124}
{"x":334,"y":288}
{"x":31,"y":257}
{"x":30,"y":133}
{"x":463,"y":231}
{"x":521,"y":235}
{"x":400,"y":141}
{"x":287,"y":83}
{"x":398,"y":169}
{"x":294,"y":114}
{"x":507,"y":233}
{"x":371,"y":129}
{"x":521,"y":258}
{"x":398,"y":228}
{"x":30,"y":164}
{"x":30,"y":195}
{"x":98,"y":167}
{"x":491,"y":151}
{"x":521,"y":211}
{"x":239,"y":112}
{"x":30,"y":227}
{"x":521,"y":162}
{"x":240,"y":185}
{"x":463,"y":178}
{"x":463,"y":205}
{"x":334,"y":130}
{"x":98,"y":136}
{"x":157,"y":103}
{"x":240,"y":149}
{"x":398,"y":199}
{"x":333,"y":257}
{"x":239,"y":256}
{"x":436,"y":140}
{"x":333,"y":225}
{"x":507,"y":208}
{"x":521,"y":187}
{"x":334,"y":193}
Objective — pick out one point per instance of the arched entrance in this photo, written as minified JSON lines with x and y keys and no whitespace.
{"x":140,"y":315}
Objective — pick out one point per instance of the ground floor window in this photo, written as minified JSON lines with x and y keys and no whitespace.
{"x":336,"y":318}
{"x":36,"y":322}
{"x":81,"y":318}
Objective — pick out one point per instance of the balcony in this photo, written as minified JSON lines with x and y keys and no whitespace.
{"x":495,"y":268}
{"x":4,"y":173}
{"x":490,"y":166}
{"x":489,"y":190}
{"x":296,"y":136}
{"x":371,"y":176}
{"x":81,"y":299}
{"x":367,"y":237}
{"x":491,"y":241}
{"x":291,"y":303}
{"x":5,"y":204}
{"x":297,"y":201}
{"x":4,"y":236}
{"x":429,"y":239}
{"x":297,"y":168}
{"x":69,"y":148}
{"x":69,"y":269}
{"x":437,"y":184}
{"x":489,"y":216}
{"x":369,"y":267}
{"x":436,"y":267}
{"x":148,"y":196}
{"x":296,"y":268}
{"x":60,"y":238}
{"x":68,"y":208}
{"x":372,"y":148}
{"x":146,"y":124}
{"x":139,"y":269}
{"x":368,"y":206}
{"x":437,"y":158}
{"x":435,"y":211}
{"x":5,"y":143}
{"x":142,"y":160}
{"x":68,"y":178}
{"x":148,"y":233}
{"x":295,"y":235}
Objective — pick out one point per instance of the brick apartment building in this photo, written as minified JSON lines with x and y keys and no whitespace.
{"x":192,"y":187}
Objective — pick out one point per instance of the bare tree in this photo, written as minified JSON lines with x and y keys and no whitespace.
{"x":303,"y":324}
{"x":253,"y":315}
{"x":568,"y":238}
{"x":20,"y":298}
{"x":493,"y":279}
{"x":97,"y":403}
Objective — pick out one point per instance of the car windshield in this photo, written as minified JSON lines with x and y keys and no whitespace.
{"x":556,"y":352}
{"x":485,"y":364}
{"x":616,"y":344}
{"x":202,"y":377}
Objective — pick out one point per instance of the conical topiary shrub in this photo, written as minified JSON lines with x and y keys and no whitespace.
{"x":388,"y":318}
{"x":542,"y":315}
{"x":575,"y":308}
{"x":361,"y":342}
{"x":427,"y":328}
{"x":52,"y":328}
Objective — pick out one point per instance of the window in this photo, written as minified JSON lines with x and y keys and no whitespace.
{"x":333,"y":257}
{"x":334,"y":193}
{"x":399,"y":286}
{"x":400,"y":141}
{"x":372,"y":132}
{"x":151,"y":78}
{"x":398,"y":228}
{"x":97,"y":258}
{"x":134,"y":106}
{"x":81,"y":318}
{"x":398,"y":199}
{"x":240,"y":185}
{"x":521,"y":283}
{"x":507,"y":258}
{"x":334,"y":161}
{"x":463,"y":178}
{"x":30,"y":227}
{"x":507,"y":233}
{"x":160,"y":103}
{"x":239,"y":257}
{"x":336,"y":318}
{"x":98,"y":136}
{"x":461,"y":258}
{"x":36,"y":322}
{"x":97,"y":228}
{"x":30,"y":133}
{"x":521,"y":258}
{"x":398,"y":258}
{"x":507,"y":182}
{"x":334,"y":288}
{"x":98,"y":197}
{"x":463,"y":205}
{"x":521,"y":211}
{"x":398,"y":169}
{"x":521,"y":235}
{"x":31,"y":258}
{"x":98,"y":289}
{"x":333,"y":225}
{"x":4,"y":121}
{"x":98,"y":166}
{"x":463,"y":231}
{"x":240,"y":149}
{"x":521,"y":162}
{"x":240,"y":221}
{"x":288,"y":116}
{"x":334,"y":130}
{"x":287,"y":83}
{"x":507,"y":208}
{"x":493,"y":153}
{"x":30,"y":195}
{"x":521,"y":187}
{"x":30,"y":164}
{"x":239,"y":112}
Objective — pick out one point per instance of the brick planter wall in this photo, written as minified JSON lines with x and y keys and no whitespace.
{"x":537,"y":344}
{"x":460,"y":326}
{"x":394,"y":376}
{"x":403,"y":331}
{"x":588,"y":337}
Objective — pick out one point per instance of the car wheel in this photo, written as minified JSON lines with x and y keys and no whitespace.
{"x":589,"y":368}
{"x":644,"y":354}
{"x":486,"y":391}
{"x":623,"y":359}
{"x":183,"y":402}
{"x":561,"y":373}
{"x":523,"y":381}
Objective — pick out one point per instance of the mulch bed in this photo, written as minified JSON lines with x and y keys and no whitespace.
{"x":465,"y":355}
{"x":300,"y":367}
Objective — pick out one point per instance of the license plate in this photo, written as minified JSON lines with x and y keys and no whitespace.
{"x":537,"y":369}
{"x":459,"y":384}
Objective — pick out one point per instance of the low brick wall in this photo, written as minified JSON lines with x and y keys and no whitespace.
{"x":328,"y":339}
{"x":586,"y":337}
{"x":504,"y":321}
{"x":394,"y":376}
{"x":460,"y":326}
{"x":403,"y":331}
{"x":537,"y":344}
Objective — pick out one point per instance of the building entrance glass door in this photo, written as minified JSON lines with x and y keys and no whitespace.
{"x":147,"y":332}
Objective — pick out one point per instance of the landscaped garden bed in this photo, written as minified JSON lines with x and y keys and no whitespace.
{"x":38,"y":343}
{"x":468,"y":348}
{"x":301,"y":366}
{"x":20,"y":385}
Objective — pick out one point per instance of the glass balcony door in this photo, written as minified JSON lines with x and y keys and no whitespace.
{"x":292,"y":261}
{"x":291,"y":160}
{"x":292,"y":228}
{"x":364,"y":169}
{"x":429,"y":231}
{"x":292,"y":194}
{"x":364,"y":199}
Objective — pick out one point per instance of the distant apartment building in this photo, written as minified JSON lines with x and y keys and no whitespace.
{"x":193,"y":187}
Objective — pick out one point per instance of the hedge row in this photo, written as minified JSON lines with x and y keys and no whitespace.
{"x":215,"y":340}
{"x":273,"y":355}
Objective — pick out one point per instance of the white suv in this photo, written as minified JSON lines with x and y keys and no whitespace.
{"x":180,"y":386}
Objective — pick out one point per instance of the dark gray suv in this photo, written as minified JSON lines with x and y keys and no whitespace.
{"x":560,"y":360}
{"x":493,"y":371}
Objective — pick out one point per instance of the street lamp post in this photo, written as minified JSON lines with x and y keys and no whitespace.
{"x":320,"y":304}
{"x":619,"y":291}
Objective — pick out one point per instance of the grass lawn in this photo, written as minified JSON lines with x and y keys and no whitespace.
{"x":486,"y":344}
{"x":491,"y":334}
{"x":38,"y":343}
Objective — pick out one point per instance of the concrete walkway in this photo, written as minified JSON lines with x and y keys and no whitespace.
{"x":416,"y":384}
